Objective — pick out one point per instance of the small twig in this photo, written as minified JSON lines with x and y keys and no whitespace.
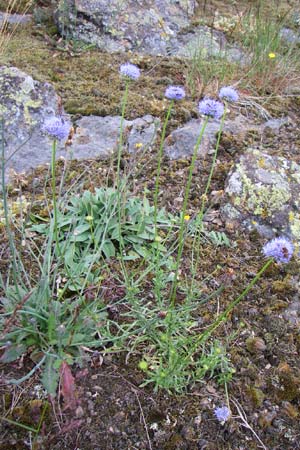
{"x":242,"y":416}
{"x":143,"y":418}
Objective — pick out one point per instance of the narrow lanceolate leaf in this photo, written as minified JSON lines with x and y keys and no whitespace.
{"x":50,"y":375}
{"x":12,"y":353}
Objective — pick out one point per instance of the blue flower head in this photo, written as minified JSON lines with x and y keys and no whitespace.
{"x":281,"y":249}
{"x":130,"y":71}
{"x":211,"y":108}
{"x":174,"y":93}
{"x":222,"y":414}
{"x":229,"y":94}
{"x":57,"y":128}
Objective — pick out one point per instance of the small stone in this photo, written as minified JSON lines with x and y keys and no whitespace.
{"x":266,"y":418}
{"x":79,"y":412}
{"x":255,"y":345}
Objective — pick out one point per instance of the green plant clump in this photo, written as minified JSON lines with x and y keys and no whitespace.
{"x":89,"y":225}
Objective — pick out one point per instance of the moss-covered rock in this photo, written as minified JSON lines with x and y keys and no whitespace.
{"x":263,"y":192}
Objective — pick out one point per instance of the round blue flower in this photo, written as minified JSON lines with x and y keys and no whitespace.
{"x":229,"y":94}
{"x":281,"y":249}
{"x":222,"y":414}
{"x":211,"y":108}
{"x":175,"y":93}
{"x":57,"y":128}
{"x":130,"y":71}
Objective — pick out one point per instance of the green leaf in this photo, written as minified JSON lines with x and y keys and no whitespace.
{"x":50,"y":375}
{"x":82,"y":228}
{"x":12,"y":353}
{"x":51,"y":326}
{"x":108,"y":249}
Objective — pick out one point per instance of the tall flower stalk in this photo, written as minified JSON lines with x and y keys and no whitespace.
{"x":172,"y":93}
{"x":131,"y":73}
{"x":227,"y":94}
{"x":58,"y":129}
{"x":5,"y":208}
{"x":210,"y":109}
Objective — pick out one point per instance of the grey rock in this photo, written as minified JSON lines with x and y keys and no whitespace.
{"x":203,"y":42}
{"x":14,"y":19}
{"x":180,"y":143}
{"x":262,"y":193}
{"x":120,"y":25}
{"x":290,"y":36}
{"x":99,"y":136}
{"x":153,"y":27}
{"x":24,"y":106}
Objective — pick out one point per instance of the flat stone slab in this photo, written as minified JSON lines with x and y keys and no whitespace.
{"x":99,"y":136}
{"x":263,"y":193}
{"x":180,"y":143}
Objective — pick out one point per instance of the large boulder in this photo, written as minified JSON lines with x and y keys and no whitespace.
{"x":263,"y":192}
{"x":154,"y":27}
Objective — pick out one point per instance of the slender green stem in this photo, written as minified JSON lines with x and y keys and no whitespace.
{"x":5,"y":208}
{"x":53,"y":185}
{"x":184,"y":207}
{"x":222,"y":317}
{"x":29,"y":374}
{"x":120,"y":146}
{"x":118,"y":183}
{"x":196,"y":243}
{"x":159,"y":159}
{"x":212,"y":169}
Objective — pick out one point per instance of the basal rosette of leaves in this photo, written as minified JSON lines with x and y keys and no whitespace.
{"x":89,"y":227}
{"x":50,"y":330}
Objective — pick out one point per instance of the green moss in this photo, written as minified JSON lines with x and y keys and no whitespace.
{"x":90,"y":83}
{"x":256,"y":396}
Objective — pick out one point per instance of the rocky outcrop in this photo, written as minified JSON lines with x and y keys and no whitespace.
{"x":26,"y":104}
{"x":154,"y":27}
{"x":263,"y":192}
{"x":180,"y":143}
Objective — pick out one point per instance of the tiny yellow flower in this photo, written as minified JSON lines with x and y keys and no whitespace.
{"x":187,"y":217}
{"x":138,"y":145}
{"x":89,"y":218}
{"x":272,"y":55}
{"x":143,"y":365}
{"x":291,"y":216}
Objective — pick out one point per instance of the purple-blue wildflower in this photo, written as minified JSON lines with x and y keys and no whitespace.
{"x":222,"y":414}
{"x":211,"y":108}
{"x":229,"y":94}
{"x":175,"y":93}
{"x":130,"y":71}
{"x":280,"y":248}
{"x":57,"y":128}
